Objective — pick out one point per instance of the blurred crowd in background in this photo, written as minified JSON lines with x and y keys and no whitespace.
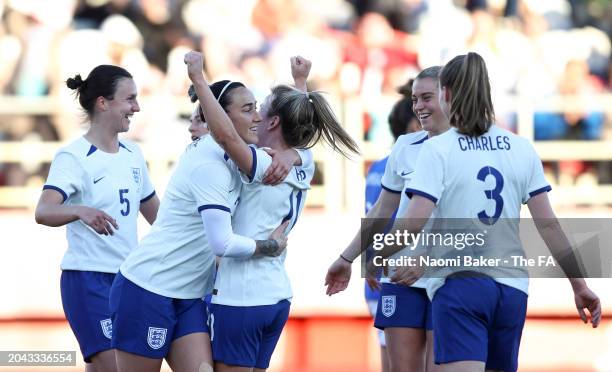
{"x":361,"y":50}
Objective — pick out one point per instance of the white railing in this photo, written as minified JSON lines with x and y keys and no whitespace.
{"x":343,"y":181}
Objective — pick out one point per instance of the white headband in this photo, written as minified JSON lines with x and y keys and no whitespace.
{"x":223,"y":90}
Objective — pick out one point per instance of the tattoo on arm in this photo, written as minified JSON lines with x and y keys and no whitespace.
{"x":269,"y":247}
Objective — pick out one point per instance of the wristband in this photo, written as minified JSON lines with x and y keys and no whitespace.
{"x":345,"y":259}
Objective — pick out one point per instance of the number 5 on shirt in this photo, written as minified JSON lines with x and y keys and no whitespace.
{"x":125,"y":201}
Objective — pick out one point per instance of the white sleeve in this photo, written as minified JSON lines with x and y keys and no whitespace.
{"x":65,"y":175}
{"x":428,"y":179}
{"x":211,"y":184}
{"x":261,"y":162}
{"x":390,"y":180}
{"x":306,"y":156}
{"x":148,"y":191}
{"x":223,"y":241}
{"x":304,"y":175}
{"x":536,"y":183}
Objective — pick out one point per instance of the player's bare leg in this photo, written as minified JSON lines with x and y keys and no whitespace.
{"x":465,"y":366}
{"x":190,"y":353}
{"x":128,"y":362}
{"x":104,"y":361}
{"x":222,"y":367}
{"x":384,"y":359}
{"x":406,"y":349}
{"x":430,"y":365}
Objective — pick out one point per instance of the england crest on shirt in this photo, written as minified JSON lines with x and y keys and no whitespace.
{"x":136,"y":175}
{"x":388,"y":305}
{"x":156,"y":337}
{"x":107,"y":328}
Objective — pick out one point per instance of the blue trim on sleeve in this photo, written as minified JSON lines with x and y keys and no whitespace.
{"x":253,"y":164}
{"x":92,"y":149}
{"x":390,"y":190}
{"x":51,"y":187}
{"x":410,"y":192}
{"x":213,"y":206}
{"x":298,"y":199}
{"x":290,"y":215}
{"x":421,"y":140}
{"x":122,"y":145}
{"x":148,"y":197}
{"x":546,"y":188}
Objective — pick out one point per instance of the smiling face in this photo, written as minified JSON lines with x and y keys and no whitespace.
{"x":426,"y":106}
{"x":123,"y":105}
{"x":197,"y":128}
{"x":262,"y":132}
{"x":243,"y":112}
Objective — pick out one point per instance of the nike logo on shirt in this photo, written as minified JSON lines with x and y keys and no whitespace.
{"x":406,"y":173}
{"x":99,"y":179}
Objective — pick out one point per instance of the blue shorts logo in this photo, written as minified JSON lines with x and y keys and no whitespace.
{"x":388,"y":305}
{"x":107,"y":328}
{"x":157,"y":337}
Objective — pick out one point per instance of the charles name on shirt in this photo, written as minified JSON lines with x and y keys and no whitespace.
{"x":484,"y":143}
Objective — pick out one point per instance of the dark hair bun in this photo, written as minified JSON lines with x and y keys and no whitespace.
{"x":75,"y":83}
{"x":406,"y":89}
{"x":193,"y":96}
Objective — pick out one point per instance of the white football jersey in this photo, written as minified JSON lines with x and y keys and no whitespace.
{"x":115,"y":183}
{"x":398,"y":173}
{"x":174,"y":259}
{"x":483,"y":181}
{"x":262,"y":208}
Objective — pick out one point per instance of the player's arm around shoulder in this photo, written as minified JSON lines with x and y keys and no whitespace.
{"x":271,"y":167}
{"x":283,"y":161}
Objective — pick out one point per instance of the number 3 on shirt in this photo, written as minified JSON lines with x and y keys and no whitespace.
{"x":125,"y":201}
{"x":494,"y":194}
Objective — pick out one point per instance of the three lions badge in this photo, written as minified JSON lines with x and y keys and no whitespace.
{"x":107,"y":328}
{"x":388,"y":305}
{"x":156,"y":337}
